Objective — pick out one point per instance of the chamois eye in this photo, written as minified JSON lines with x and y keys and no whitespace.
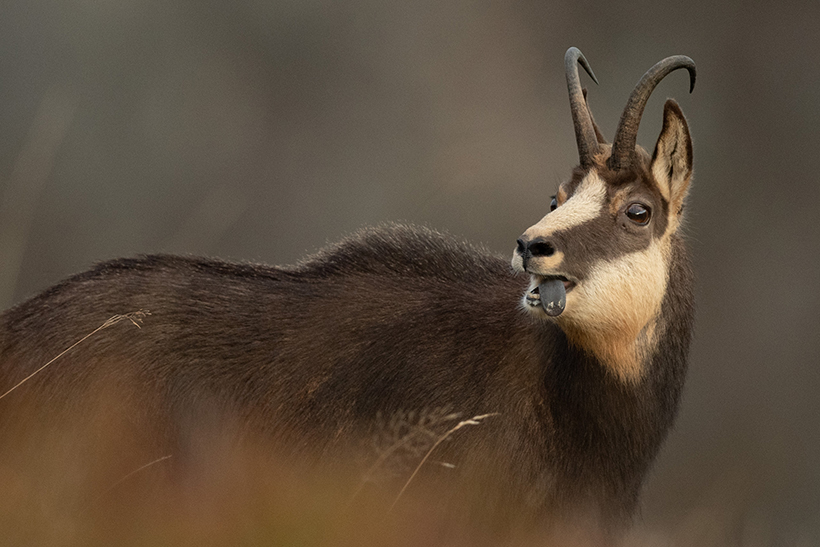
{"x":553,"y":204}
{"x":638,"y":213}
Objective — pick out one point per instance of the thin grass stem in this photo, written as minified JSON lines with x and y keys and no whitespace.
{"x":475,"y":420}
{"x":135,"y":318}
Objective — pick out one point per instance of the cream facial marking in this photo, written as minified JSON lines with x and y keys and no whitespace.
{"x":585,"y":204}
{"x":612,"y":314}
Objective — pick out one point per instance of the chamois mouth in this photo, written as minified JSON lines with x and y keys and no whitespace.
{"x":550,"y":293}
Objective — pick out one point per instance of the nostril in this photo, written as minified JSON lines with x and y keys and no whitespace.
{"x":521,"y":247}
{"x":542,"y":248}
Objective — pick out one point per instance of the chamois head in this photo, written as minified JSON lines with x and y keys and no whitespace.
{"x":599,"y":260}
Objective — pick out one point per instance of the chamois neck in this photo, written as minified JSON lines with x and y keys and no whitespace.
{"x":607,"y":431}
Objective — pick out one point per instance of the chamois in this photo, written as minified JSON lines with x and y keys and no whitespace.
{"x":577,"y":353}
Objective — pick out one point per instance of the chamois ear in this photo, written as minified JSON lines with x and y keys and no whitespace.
{"x":672,"y":160}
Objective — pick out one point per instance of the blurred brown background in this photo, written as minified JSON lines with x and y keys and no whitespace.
{"x":262,"y":130}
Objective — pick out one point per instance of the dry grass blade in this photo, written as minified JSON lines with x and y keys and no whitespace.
{"x":131,"y":474}
{"x":135,"y":318}
{"x":421,"y":429}
{"x":475,"y":420}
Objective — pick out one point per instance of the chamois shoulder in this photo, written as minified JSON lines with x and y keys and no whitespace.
{"x":402,"y":250}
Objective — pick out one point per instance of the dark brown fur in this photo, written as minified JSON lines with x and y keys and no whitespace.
{"x":390,"y":320}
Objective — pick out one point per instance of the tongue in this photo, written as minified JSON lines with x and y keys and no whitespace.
{"x":553,"y":296}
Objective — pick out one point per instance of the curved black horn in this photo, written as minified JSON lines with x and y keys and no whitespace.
{"x":627,"y":133}
{"x":584,"y":128}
